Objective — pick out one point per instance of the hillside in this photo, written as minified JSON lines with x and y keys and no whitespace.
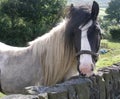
{"x":102,"y":3}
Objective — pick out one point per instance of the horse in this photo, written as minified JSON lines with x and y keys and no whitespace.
{"x":68,"y":49}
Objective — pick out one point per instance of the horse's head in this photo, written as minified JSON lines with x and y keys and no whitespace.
{"x":84,"y":32}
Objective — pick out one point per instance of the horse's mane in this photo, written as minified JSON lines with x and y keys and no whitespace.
{"x":56,"y":49}
{"x":50,"y":49}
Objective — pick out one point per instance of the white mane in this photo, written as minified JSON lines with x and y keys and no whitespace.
{"x":55,"y":61}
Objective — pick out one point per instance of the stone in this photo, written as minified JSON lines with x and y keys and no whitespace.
{"x":19,"y":96}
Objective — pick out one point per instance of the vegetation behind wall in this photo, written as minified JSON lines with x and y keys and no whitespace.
{"x":23,"y":20}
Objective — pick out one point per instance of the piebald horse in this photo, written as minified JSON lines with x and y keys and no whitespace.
{"x":66,"y":50}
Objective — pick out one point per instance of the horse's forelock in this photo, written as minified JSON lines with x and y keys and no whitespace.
{"x":79,"y":16}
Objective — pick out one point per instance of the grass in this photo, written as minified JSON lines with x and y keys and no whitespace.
{"x":1,"y":95}
{"x":112,"y":56}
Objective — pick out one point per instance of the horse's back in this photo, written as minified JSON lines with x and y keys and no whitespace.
{"x":5,"y":47}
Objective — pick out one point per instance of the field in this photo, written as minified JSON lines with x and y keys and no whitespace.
{"x":112,"y":56}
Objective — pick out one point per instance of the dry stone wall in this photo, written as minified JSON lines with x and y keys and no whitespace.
{"x":104,"y":85}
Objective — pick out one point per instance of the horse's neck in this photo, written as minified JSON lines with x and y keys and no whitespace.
{"x":48,"y":40}
{"x":56,"y":61}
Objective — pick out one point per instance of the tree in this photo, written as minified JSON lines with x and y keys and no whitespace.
{"x":10,"y":9}
{"x":27,"y":19}
{"x":113,"y":10}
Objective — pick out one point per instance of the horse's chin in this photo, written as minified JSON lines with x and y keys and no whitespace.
{"x":89,"y":74}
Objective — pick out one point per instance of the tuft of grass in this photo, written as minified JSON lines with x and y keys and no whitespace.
{"x":1,"y":95}
{"x":112,"y":56}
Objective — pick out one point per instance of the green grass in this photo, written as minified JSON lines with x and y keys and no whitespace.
{"x":1,"y":95}
{"x":112,"y":56}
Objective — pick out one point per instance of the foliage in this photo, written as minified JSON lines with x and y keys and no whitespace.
{"x":108,"y":26}
{"x":113,"y":10}
{"x":24,"y":20}
{"x":104,"y":27}
{"x":104,"y":24}
{"x":115,"y":33}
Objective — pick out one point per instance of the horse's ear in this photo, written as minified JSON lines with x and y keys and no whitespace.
{"x":71,"y":7}
{"x":95,"y":10}
{"x":70,"y":10}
